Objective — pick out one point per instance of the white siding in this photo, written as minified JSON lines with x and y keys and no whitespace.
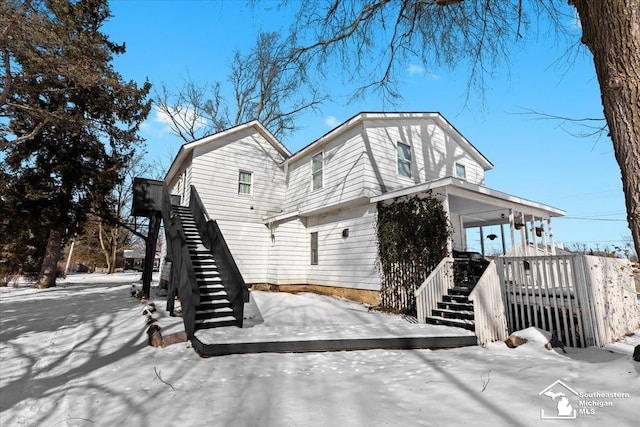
{"x":181,"y":183}
{"x":215,"y":173}
{"x":348,"y":262}
{"x":289,"y":253}
{"x":343,"y":170}
{"x":434,"y":154}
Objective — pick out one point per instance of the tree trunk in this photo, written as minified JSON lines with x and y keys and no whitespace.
{"x":611,"y":30}
{"x":115,"y":231}
{"x":47,"y":275}
{"x":105,"y":251}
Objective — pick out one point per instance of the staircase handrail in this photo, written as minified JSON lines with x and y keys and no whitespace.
{"x":183,"y":277}
{"x":488,"y":307}
{"x":434,"y":286}
{"x":212,"y":239}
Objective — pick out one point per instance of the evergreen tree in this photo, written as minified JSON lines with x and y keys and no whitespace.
{"x":70,"y":121}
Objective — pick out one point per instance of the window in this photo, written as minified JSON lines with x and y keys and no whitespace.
{"x":314,"y":248}
{"x":404,"y":160}
{"x":316,"y":171}
{"x":244,"y":182}
{"x":461,"y":172}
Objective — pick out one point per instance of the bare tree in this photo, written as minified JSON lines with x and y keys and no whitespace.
{"x":267,"y":85}
{"x":371,"y":38}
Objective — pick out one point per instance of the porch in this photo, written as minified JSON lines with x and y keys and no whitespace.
{"x":585,"y":300}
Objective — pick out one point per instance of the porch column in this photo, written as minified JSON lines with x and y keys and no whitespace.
{"x":512,"y":231}
{"x":481,"y":241}
{"x":523,"y":235}
{"x":445,"y":205}
{"x":504,"y":246}
{"x":551,"y":242}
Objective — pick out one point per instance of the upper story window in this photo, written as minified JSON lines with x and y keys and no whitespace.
{"x":245,"y":182}
{"x":317,"y":164}
{"x":461,"y":171}
{"x":404,"y":159}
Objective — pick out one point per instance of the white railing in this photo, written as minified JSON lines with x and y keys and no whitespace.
{"x":430,"y":292}
{"x":582,"y":298}
{"x":488,"y":307}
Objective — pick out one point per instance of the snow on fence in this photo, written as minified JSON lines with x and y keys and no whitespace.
{"x":433,"y":288}
{"x":488,"y":307}
{"x":587,"y":300}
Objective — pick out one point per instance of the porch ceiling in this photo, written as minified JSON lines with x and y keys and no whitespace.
{"x":478,"y":205}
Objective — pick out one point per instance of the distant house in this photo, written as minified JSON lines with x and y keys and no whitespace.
{"x":308,"y":220}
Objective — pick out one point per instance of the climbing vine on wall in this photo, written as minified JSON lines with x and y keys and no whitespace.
{"x":412,"y":240}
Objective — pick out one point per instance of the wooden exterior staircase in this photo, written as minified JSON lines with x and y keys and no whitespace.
{"x":204,"y":275}
{"x":215,"y":309}
{"x":453,"y":307}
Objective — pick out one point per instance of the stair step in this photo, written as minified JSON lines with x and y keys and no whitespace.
{"x":459,"y":290}
{"x":215,"y":295}
{"x":453,"y":314}
{"x":459,"y":323}
{"x":220,"y":302}
{"x":216,"y":322}
{"x":455,"y":298}
{"x":456,"y":306}
{"x":209,"y":272}
{"x":213,"y":312}
{"x":209,"y":287}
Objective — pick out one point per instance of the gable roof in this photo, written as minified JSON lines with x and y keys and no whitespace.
{"x":188,"y":147}
{"x":360,"y":118}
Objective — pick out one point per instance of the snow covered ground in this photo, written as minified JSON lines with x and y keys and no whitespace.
{"x":77,"y":355}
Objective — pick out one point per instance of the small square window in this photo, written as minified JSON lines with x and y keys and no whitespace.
{"x":404,"y":160}
{"x":461,"y":172}
{"x":245,"y":181}
{"x":317,"y":165}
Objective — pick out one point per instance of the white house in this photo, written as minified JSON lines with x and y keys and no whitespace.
{"x":308,"y":220}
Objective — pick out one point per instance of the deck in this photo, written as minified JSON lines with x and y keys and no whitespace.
{"x":280,"y":322}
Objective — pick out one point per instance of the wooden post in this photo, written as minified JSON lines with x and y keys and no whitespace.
{"x":150,"y":252}
{"x":504,"y":246}
{"x":481,"y":241}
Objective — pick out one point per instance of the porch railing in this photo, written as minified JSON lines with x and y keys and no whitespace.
{"x":435,"y":285}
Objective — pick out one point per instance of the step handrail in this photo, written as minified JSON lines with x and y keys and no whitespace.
{"x":182,"y":280}
{"x":488,"y":307}
{"x":212,"y":239}
{"x":434,"y":286}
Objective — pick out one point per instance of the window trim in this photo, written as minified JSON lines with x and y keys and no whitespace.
{"x":400,"y":159}
{"x":319,"y":171}
{"x":241,"y":183}
{"x":464,"y":171}
{"x":313,"y":248}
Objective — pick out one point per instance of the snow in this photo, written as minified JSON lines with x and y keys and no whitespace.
{"x":77,"y":355}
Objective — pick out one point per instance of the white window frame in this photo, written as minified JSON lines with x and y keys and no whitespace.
{"x":242,"y":183}
{"x":400,"y":160}
{"x":460,"y":167}
{"x":317,"y":172}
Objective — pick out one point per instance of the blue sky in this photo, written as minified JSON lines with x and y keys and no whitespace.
{"x":533,"y":158}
